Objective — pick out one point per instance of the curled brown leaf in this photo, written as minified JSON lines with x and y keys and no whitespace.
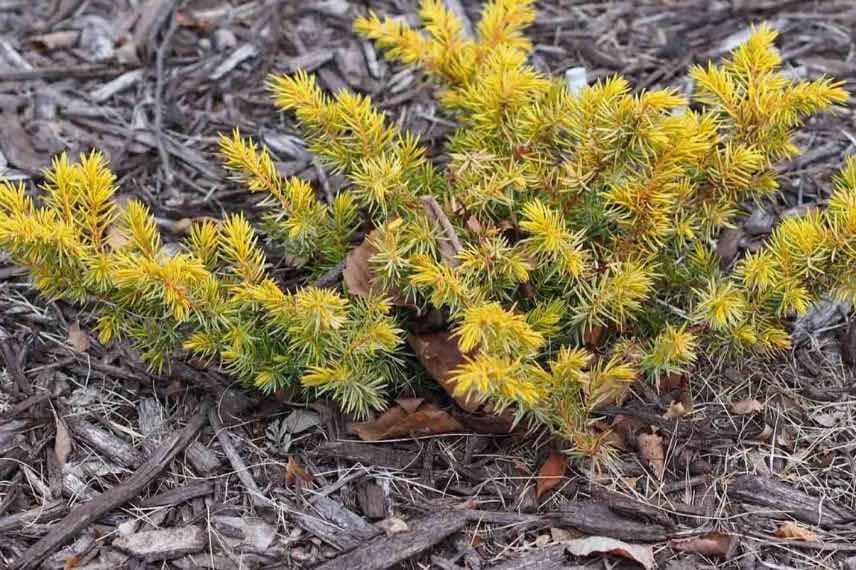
{"x":295,"y":473}
{"x":77,"y":338}
{"x":551,"y":473}
{"x":439,"y":353}
{"x":651,"y":450}
{"x":411,"y":417}
{"x":746,"y":407}
{"x":715,"y":543}
{"x":641,"y":554}
{"x":792,"y":531}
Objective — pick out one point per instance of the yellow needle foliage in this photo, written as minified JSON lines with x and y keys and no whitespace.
{"x":573,"y":254}
{"x":212,"y":296}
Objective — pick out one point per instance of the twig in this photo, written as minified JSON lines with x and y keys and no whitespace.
{"x":84,"y":515}
{"x":330,"y":277}
{"x":41,"y":514}
{"x":13,"y":363}
{"x":322,"y":177}
{"x":456,"y":8}
{"x":451,"y":246}
{"x":179,"y":495}
{"x":48,"y":73}
{"x":159,"y":61}
{"x":25,"y":405}
{"x":241,"y":470}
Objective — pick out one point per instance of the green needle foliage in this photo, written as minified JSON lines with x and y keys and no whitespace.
{"x":213,"y":297}
{"x":568,"y":236}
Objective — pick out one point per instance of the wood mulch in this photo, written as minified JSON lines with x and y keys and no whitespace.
{"x":106,"y":465}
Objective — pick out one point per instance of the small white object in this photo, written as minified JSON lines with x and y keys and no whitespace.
{"x":576,"y":78}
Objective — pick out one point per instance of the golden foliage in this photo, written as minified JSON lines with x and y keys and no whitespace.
{"x":570,"y":256}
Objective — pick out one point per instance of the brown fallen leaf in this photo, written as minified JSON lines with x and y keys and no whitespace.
{"x":474,"y":225}
{"x":411,"y":417}
{"x":610,"y":436}
{"x":727,"y":246}
{"x":62,"y":442}
{"x":357,"y":273}
{"x":439,"y":353}
{"x":488,"y":422}
{"x":746,"y":407}
{"x":551,"y":473}
{"x":359,"y":278}
{"x":593,"y":336}
{"x":295,"y":473}
{"x":676,"y":410}
{"x":715,"y":543}
{"x":410,"y":405}
{"x":671,"y":381}
{"x":77,"y":338}
{"x":16,"y":144}
{"x":642,"y":554}
{"x":766,"y":434}
{"x":628,"y":428}
{"x":651,"y":451}
{"x":792,"y":531}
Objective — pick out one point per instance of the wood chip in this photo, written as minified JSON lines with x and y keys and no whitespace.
{"x":121,"y":83}
{"x":166,"y":544}
{"x":15,"y":145}
{"x":336,"y":525}
{"x":62,"y":39}
{"x":372,"y":500}
{"x":203,"y":460}
{"x":781,"y":497}
{"x":387,"y":551}
{"x":240,"y":55}
{"x":179,"y":495}
{"x":118,"y":450}
{"x":596,"y":518}
{"x":40,"y":514}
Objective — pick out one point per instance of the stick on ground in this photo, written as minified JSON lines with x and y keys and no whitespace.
{"x":386,"y":552}
{"x":237,"y":463}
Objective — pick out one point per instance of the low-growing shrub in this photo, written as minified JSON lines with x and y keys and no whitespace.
{"x":568,"y":237}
